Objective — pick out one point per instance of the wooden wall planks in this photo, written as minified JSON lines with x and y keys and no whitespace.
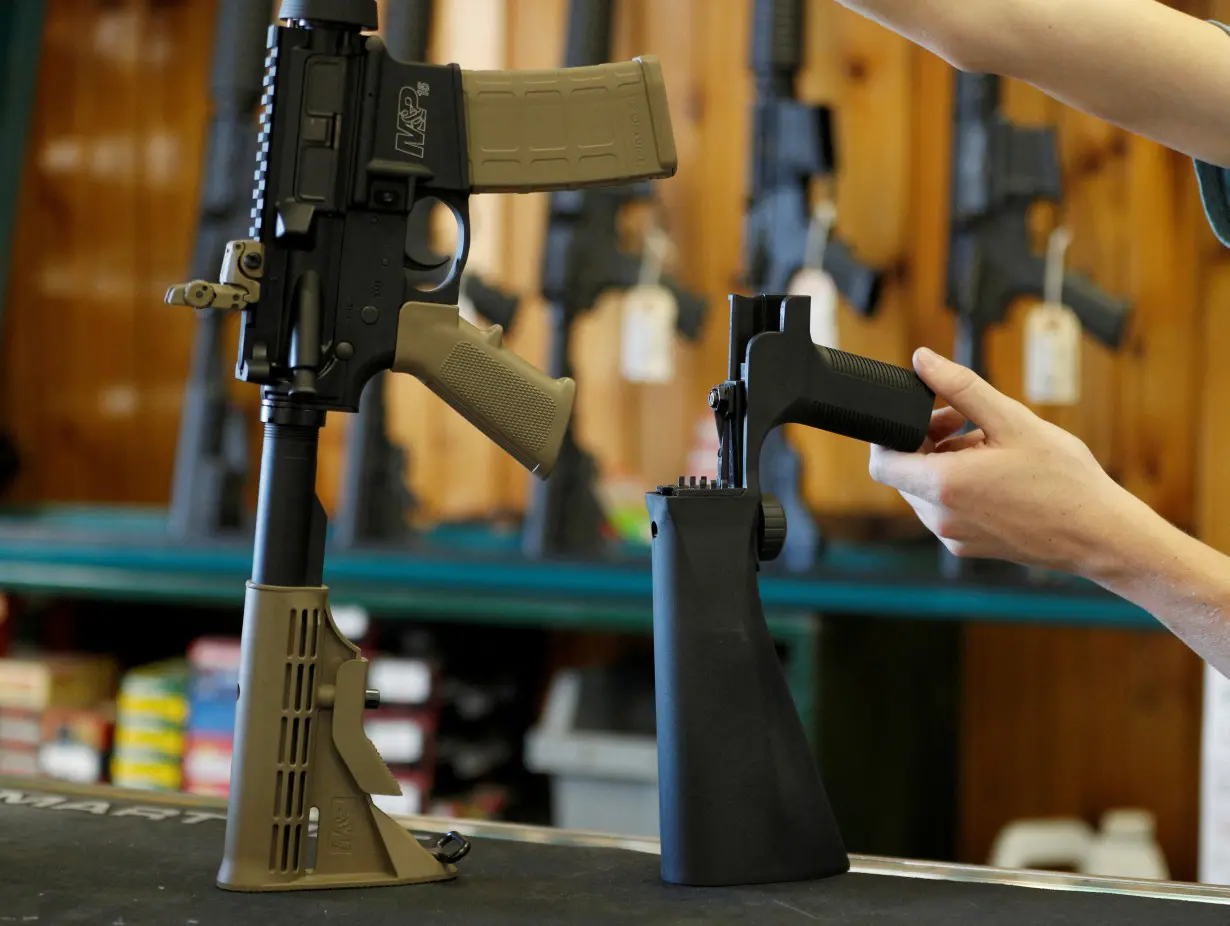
{"x":93,"y":362}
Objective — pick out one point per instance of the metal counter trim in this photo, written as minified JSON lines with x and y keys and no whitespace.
{"x":861,"y":864}
{"x":870,"y":865}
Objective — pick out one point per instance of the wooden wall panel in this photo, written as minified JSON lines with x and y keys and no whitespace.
{"x":93,"y":361}
{"x":1076,"y":722}
{"x":1059,"y":722}
{"x":131,"y":165}
{"x":863,"y":71}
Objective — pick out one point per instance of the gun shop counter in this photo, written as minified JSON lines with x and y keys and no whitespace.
{"x":77,"y":854}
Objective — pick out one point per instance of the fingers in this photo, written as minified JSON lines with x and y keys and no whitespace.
{"x":914,"y":474}
{"x":935,"y":519}
{"x":945,"y":422}
{"x":970,"y":394}
{"x":960,"y":442}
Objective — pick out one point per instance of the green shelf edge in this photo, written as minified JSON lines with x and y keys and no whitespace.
{"x":122,"y":554}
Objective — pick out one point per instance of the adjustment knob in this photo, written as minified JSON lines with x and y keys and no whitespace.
{"x":772,"y":528}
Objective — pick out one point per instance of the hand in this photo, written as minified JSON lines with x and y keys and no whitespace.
{"x":1018,"y":488}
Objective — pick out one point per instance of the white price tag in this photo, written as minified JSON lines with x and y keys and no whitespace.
{"x":820,"y":288}
{"x":1052,"y":355}
{"x":650,"y":314}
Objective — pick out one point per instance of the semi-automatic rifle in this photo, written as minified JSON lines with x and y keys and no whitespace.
{"x":211,"y":455}
{"x":583,"y":259}
{"x":351,"y":139}
{"x":999,"y":171}
{"x":793,"y":144}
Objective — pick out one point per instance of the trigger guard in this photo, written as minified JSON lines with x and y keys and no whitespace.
{"x":410,"y":263}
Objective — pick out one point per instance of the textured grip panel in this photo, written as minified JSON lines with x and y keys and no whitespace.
{"x":874,"y":371}
{"x":870,"y":401}
{"x":865,"y":427}
{"x":501,"y":399}
{"x":516,"y":405}
{"x":568,"y":128}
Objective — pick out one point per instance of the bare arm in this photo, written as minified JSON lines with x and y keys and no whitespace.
{"x":1021,"y":489}
{"x":1136,"y":63}
{"x":1176,"y":578}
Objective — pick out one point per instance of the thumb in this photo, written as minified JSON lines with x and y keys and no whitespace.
{"x":969,"y":393}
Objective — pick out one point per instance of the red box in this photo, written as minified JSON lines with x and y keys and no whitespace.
{"x":207,"y":764}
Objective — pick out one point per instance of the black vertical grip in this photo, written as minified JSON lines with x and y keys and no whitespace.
{"x":865,"y":399}
{"x":741,"y":800}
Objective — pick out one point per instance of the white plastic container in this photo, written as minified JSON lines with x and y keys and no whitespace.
{"x":601,"y":780}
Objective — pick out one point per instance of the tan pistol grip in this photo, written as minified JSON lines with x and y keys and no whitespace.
{"x":568,"y":127}
{"x":516,"y":405}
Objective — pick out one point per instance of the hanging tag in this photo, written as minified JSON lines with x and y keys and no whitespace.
{"x":1052,"y":355}
{"x":813,"y":282}
{"x":820,"y":288}
{"x":650,"y":317}
{"x":1053,"y":336}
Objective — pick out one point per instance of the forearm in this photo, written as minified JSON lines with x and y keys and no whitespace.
{"x":1176,"y":578}
{"x":1136,"y":63}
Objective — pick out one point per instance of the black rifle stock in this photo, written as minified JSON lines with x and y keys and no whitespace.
{"x":792,"y":144}
{"x":741,"y":800}
{"x":999,"y":171}
{"x":211,"y":456}
{"x":351,"y":140}
{"x":582,"y":259}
